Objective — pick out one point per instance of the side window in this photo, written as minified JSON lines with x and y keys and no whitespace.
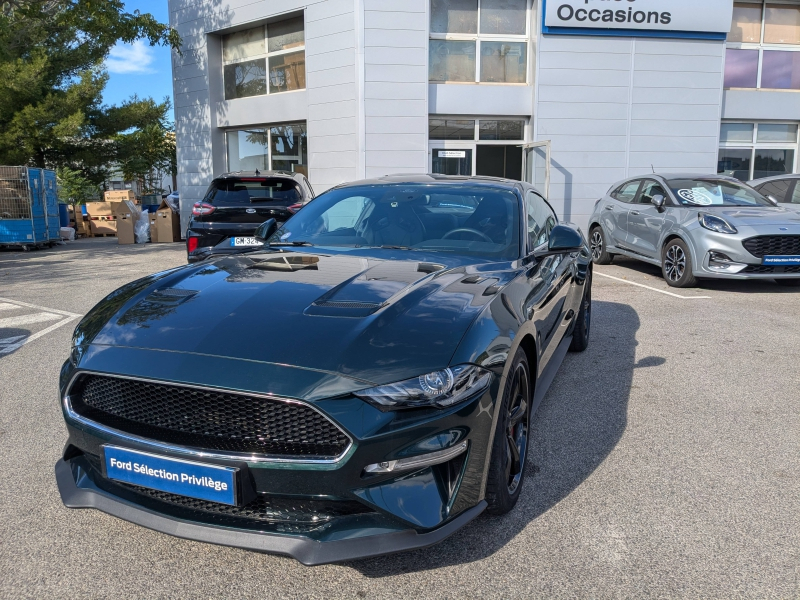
{"x":651,"y":188}
{"x":795,"y":198}
{"x":777,"y":189}
{"x":541,"y":220}
{"x":627,"y":191}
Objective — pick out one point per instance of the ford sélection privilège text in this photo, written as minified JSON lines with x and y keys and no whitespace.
{"x":361,"y":383}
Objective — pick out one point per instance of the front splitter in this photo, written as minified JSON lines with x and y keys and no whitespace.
{"x":307,"y":551}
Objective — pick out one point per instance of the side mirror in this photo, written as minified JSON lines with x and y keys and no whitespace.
{"x":772,"y":199}
{"x":658,"y":201}
{"x":265,"y":230}
{"x":563,"y":240}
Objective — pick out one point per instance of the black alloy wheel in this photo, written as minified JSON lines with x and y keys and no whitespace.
{"x":510,"y":447}
{"x":597,"y":244}
{"x":676,"y":264}
{"x":583,"y":322}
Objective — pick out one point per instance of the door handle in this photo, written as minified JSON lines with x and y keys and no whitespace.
{"x":609,"y":207}
{"x":634,"y":212}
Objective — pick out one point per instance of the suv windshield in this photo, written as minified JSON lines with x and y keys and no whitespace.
{"x":251,"y":189}
{"x":462,"y":219}
{"x":715,"y":192}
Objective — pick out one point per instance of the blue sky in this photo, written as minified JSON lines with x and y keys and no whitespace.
{"x":138,"y":68}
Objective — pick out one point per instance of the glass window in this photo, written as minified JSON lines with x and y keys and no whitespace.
{"x":735,"y":163}
{"x":782,"y":24}
{"x":503,"y":17}
{"x":795,"y":199}
{"x":252,"y":189}
{"x":780,"y":70}
{"x":451,"y":129}
{"x":452,"y":61}
{"x":776,"y":189}
{"x":286,"y":35}
{"x":627,"y":191}
{"x":243,"y":44}
{"x":282,"y":147}
{"x":287,"y":72}
{"x":452,"y":162}
{"x":501,"y":130}
{"x":746,"y":25}
{"x":741,"y":68}
{"x":264,"y":60}
{"x":454,"y":16}
{"x":771,"y":132}
{"x":541,"y":220}
{"x":772,"y":162}
{"x":736,"y":132}
{"x":700,"y":192}
{"x":504,"y":62}
{"x":289,"y":148}
{"x":651,"y":188}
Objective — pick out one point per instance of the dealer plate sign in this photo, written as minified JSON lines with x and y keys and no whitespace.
{"x":185,"y":478}
{"x":706,"y":16}
{"x":782,"y":261}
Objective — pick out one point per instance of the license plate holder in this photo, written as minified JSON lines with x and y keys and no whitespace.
{"x":245,"y":242}
{"x":192,"y":479}
{"x":782,"y":261}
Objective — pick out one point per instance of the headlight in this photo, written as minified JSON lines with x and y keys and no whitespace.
{"x":438,"y":389}
{"x":715,"y":223}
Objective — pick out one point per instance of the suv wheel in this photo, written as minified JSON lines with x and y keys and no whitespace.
{"x":676,"y":264}
{"x":597,"y":243}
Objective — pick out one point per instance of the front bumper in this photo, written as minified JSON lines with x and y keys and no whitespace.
{"x":79,"y":490}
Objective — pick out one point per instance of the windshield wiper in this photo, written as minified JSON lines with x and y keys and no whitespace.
{"x":389,"y":247}
{"x":298,"y":243}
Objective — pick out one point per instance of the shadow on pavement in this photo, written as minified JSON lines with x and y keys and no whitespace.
{"x":579,"y":423}
{"x":11,"y":340}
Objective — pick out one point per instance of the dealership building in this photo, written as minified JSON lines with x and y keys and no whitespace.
{"x":571,"y":95}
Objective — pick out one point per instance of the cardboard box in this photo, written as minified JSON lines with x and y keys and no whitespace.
{"x":99,"y":209}
{"x":103,"y":226}
{"x":168,"y":224}
{"x":153,"y":227}
{"x":125,"y":207}
{"x":118,"y":195}
{"x":125,"y":233}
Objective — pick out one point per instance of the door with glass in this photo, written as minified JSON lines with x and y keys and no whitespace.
{"x":536,"y":166}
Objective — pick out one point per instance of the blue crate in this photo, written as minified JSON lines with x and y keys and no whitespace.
{"x":44,"y":225}
{"x":23,"y":231}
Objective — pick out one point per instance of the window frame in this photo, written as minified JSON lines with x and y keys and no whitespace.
{"x":268,"y":128}
{"x":763,"y":46}
{"x":526,"y":205}
{"x":266,"y":55}
{"x":486,"y":37}
{"x":753,"y":145}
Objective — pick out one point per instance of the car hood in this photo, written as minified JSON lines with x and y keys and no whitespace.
{"x":373,"y":319}
{"x":753,"y":217}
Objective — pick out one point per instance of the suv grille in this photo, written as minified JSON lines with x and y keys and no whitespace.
{"x":209,"y":419}
{"x":766,"y":270}
{"x":773,"y":245}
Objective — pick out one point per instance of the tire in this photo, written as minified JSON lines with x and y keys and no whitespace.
{"x":676,"y":264}
{"x":582,"y":329}
{"x":511,"y":439}
{"x":788,"y":282}
{"x":597,"y":244}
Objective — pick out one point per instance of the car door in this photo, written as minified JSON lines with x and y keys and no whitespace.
{"x":550,"y":279}
{"x":645,"y":221}
{"x":614,"y":215}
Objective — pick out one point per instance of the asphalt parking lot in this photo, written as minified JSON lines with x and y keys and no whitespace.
{"x":665,"y":459}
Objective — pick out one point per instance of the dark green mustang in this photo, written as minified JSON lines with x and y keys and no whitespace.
{"x":361,"y":384}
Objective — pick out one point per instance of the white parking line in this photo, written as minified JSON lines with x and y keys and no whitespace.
{"x":8,"y":345}
{"x":647,"y":287}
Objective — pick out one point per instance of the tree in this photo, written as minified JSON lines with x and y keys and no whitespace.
{"x":147,"y":155}
{"x":74,"y":187}
{"x":51,"y":55}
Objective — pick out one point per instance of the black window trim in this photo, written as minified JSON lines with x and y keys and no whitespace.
{"x":524,"y":221}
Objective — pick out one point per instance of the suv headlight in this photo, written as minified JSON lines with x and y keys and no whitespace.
{"x":715,"y":223}
{"x":438,"y":389}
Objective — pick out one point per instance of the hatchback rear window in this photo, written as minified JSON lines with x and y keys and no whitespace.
{"x":249,"y":190}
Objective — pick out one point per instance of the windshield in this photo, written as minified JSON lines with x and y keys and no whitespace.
{"x":462,"y":219}
{"x":715,"y":192}
{"x":251,"y":189}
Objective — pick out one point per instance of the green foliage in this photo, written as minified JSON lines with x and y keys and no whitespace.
{"x":74,"y":187}
{"x":51,"y":110}
{"x":147,"y":155}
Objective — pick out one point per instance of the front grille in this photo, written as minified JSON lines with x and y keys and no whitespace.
{"x":773,"y":245}
{"x":209,"y":419}
{"x":766,"y":270}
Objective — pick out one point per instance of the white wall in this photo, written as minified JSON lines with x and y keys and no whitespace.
{"x":615,"y":106}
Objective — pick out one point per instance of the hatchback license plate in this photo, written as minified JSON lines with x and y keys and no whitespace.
{"x":240,"y":242}
{"x":782,"y":261}
{"x":182,"y":477}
